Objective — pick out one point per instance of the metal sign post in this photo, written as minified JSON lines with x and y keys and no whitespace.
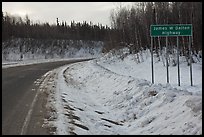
{"x":172,"y":30}
{"x":167,"y":69}
{"x":190,"y":56}
{"x":152,"y":60}
{"x":178,"y":61}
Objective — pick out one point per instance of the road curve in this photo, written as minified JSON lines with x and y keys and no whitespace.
{"x":18,"y":96}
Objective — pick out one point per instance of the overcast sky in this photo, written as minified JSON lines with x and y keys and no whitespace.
{"x":97,"y":12}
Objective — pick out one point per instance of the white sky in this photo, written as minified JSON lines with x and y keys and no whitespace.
{"x":97,"y":12}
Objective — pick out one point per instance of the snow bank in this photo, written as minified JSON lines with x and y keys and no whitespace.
{"x":130,"y":67}
{"x":20,"y":49}
{"x":97,"y":100}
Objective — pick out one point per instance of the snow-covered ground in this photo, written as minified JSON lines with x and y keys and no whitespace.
{"x":113,"y":96}
{"x":38,"y":51}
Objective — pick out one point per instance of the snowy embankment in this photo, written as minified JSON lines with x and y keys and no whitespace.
{"x":25,"y":51}
{"x":110,"y":96}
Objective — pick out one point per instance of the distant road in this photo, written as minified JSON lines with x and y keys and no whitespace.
{"x":17,"y":98}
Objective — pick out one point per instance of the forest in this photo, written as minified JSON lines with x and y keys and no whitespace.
{"x":14,"y":26}
{"x":130,"y":27}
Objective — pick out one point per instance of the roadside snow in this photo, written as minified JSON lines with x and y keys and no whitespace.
{"x":7,"y":64}
{"x":142,"y":70}
{"x":108,"y":96}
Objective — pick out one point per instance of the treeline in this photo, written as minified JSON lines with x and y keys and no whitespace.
{"x":16,"y":27}
{"x":132,"y":25}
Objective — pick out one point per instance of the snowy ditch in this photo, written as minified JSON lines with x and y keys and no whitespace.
{"x":87,"y":98}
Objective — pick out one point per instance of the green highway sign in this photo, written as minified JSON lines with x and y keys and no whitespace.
{"x":171,"y":30}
